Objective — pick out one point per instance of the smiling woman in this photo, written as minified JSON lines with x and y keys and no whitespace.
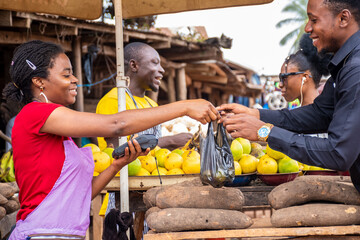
{"x":302,"y":71}
{"x":53,"y":174}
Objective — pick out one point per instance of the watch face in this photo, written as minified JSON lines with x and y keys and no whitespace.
{"x":263,"y":132}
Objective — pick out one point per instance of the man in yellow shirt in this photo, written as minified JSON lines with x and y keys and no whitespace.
{"x":142,"y":66}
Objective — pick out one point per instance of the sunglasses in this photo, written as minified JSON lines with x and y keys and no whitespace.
{"x":283,"y":76}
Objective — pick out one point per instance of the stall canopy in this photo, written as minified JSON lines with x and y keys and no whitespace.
{"x":92,"y":9}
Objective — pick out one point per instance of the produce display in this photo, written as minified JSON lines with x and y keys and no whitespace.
{"x":7,"y":171}
{"x":9,"y":201}
{"x":249,"y":157}
{"x":192,"y":206}
{"x":315,"y":201}
{"x":185,"y":160}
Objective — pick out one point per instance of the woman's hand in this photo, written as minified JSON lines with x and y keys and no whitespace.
{"x":236,"y":109}
{"x":201,"y":110}
{"x":131,"y":153}
{"x":242,"y":125}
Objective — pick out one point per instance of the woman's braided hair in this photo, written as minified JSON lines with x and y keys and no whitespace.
{"x":31,"y":59}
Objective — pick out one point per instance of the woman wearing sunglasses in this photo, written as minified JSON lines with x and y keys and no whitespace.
{"x":301,"y":73}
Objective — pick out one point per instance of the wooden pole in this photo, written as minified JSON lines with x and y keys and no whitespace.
{"x":79,"y":103}
{"x":171,"y":86}
{"x":181,"y":84}
{"x":121,"y":84}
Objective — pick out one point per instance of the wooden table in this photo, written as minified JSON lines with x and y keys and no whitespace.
{"x":255,"y":196}
{"x":318,"y":233}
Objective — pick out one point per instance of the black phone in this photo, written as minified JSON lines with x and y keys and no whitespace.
{"x":145,"y":141}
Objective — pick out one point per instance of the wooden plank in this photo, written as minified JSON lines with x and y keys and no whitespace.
{"x":218,"y":70}
{"x":137,"y":8}
{"x":8,"y":37}
{"x":22,"y":23}
{"x":5,"y":18}
{"x":205,"y":54}
{"x":146,"y":182}
{"x":259,"y":232}
{"x":139,"y":224}
{"x":161,"y":44}
{"x":210,"y":79}
{"x":97,"y":220}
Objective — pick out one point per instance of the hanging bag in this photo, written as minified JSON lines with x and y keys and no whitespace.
{"x":217,"y":162}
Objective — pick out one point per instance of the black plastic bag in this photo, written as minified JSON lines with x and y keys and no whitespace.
{"x":217,"y":162}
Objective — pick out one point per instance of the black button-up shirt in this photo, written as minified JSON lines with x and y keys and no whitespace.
{"x":336,"y":111}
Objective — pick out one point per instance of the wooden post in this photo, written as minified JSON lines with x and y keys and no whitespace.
{"x":171,"y":86}
{"x":97,"y":220}
{"x":181,"y":84}
{"x":79,"y":103}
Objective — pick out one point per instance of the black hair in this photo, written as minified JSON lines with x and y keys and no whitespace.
{"x":336,"y":6}
{"x":30,"y":59}
{"x":307,"y":58}
{"x":133,"y":51}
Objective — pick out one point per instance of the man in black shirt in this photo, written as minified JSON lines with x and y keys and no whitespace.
{"x":334,"y":27}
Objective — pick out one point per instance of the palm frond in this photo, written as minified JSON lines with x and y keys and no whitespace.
{"x":298,"y":9}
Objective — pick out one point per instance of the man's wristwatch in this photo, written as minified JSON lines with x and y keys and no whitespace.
{"x":264,"y":131}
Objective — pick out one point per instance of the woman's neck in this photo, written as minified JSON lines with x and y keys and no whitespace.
{"x":309,"y":97}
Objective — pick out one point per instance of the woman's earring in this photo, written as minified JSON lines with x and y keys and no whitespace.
{"x":43,"y":94}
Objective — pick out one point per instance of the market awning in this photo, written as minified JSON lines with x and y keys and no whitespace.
{"x":92,"y":9}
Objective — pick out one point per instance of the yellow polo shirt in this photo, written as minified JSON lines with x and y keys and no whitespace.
{"x":108,"y":104}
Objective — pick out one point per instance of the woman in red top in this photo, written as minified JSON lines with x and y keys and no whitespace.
{"x":53,"y":174}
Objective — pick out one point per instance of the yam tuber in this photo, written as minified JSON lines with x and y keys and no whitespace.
{"x":3,"y":200}
{"x":200,"y":197}
{"x":312,"y":189}
{"x":11,"y":206}
{"x":149,"y":197}
{"x":181,"y":219}
{"x":7,"y":190}
{"x":316,"y":215}
{"x":2,"y":212}
{"x":151,"y":210}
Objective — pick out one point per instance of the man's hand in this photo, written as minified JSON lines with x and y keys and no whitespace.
{"x":242,"y":125}
{"x":201,"y":110}
{"x":236,"y":109}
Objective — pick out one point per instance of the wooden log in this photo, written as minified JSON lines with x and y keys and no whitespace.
{"x":316,"y":215}
{"x":200,"y":197}
{"x":312,"y":189}
{"x":182,"y":219}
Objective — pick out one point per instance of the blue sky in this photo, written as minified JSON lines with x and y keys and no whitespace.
{"x":252,"y":28}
